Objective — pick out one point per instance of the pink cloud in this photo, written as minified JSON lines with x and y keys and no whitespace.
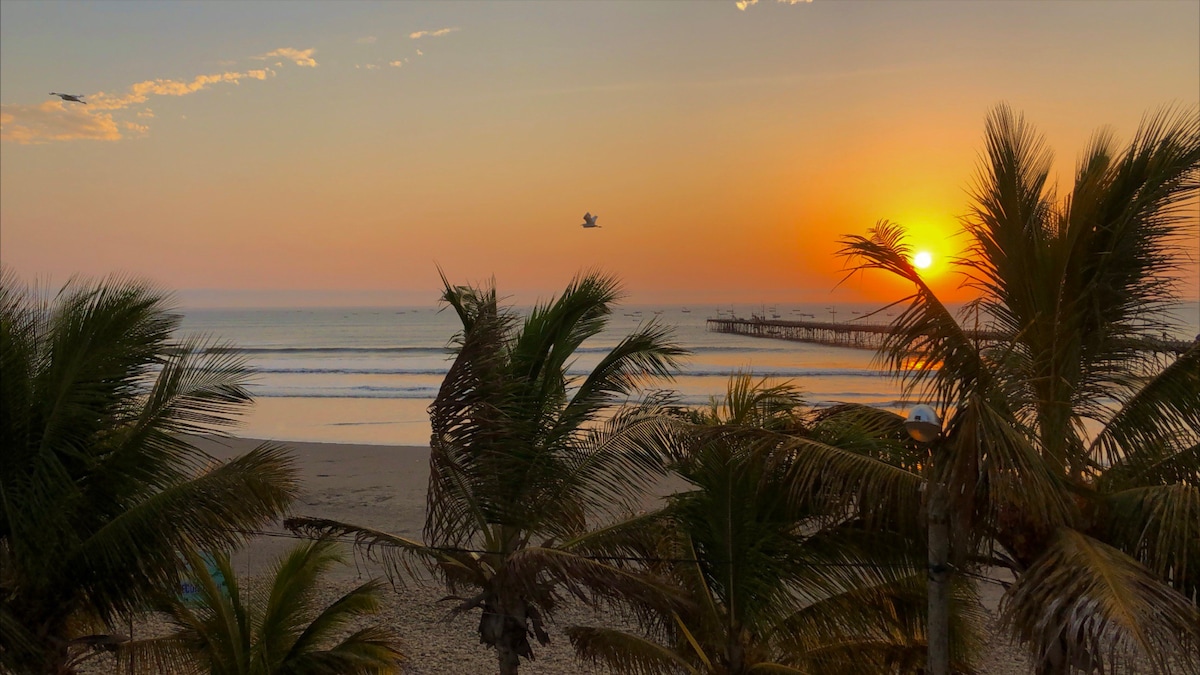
{"x":55,"y":121}
{"x":142,"y":91}
{"x":300,"y":57}
{"x":59,"y":121}
{"x":743,"y":4}
{"x":431,"y":33}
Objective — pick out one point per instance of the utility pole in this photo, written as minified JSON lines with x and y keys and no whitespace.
{"x":924,"y":426}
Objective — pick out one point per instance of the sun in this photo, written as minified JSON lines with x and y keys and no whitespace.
{"x":922,"y":260}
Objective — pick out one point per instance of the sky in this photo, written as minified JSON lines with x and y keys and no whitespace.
{"x":318,"y":153}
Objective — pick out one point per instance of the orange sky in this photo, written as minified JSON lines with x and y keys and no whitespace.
{"x":355,"y":147}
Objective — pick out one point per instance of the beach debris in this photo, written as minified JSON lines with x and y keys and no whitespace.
{"x":77,"y":98}
{"x":589,"y":220}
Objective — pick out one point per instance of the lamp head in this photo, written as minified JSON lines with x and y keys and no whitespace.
{"x":923,"y":424}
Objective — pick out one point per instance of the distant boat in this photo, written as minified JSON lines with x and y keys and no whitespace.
{"x":685,"y":310}
{"x":589,"y":220}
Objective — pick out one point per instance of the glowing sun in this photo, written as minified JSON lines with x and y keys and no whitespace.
{"x":922,"y":260}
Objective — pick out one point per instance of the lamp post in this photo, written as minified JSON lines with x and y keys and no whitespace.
{"x":924,"y":426}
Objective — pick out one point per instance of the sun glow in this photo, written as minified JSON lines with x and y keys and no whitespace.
{"x":922,"y":260}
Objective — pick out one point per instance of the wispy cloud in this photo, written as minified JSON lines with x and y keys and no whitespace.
{"x":54,"y":121}
{"x":743,"y":4}
{"x":431,"y":33}
{"x":300,"y":57}
{"x":142,"y":91}
{"x":60,"y":121}
{"x":368,"y":40}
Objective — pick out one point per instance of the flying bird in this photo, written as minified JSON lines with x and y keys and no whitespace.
{"x":589,"y":220}
{"x":77,"y":98}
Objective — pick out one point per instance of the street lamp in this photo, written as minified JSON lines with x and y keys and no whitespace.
{"x":924,"y":426}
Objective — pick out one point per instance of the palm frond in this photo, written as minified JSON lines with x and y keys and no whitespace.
{"x":373,"y":650}
{"x":1159,"y":526}
{"x":878,"y":617}
{"x":553,"y":331}
{"x":402,"y":557}
{"x":199,"y":390}
{"x":588,"y":579}
{"x":1088,"y":605}
{"x":626,"y":653}
{"x":359,"y":601}
{"x":765,"y":668}
{"x":212,"y":511}
{"x":648,"y":352}
{"x":926,"y":345}
{"x":606,"y":471}
{"x":153,"y":656}
{"x":289,"y":602}
{"x":754,"y":403}
{"x":284,"y":631}
{"x":833,"y":478}
{"x":1163,"y":415}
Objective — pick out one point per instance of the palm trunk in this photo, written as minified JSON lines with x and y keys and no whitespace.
{"x":506,"y":628}
{"x":508,"y":660}
{"x":736,"y":654}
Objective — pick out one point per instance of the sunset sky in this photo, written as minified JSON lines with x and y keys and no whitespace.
{"x":350,"y":148}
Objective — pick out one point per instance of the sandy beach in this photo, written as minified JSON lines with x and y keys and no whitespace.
{"x":384,"y":487}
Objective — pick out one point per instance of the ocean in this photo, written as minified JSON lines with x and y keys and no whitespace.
{"x":367,"y":375}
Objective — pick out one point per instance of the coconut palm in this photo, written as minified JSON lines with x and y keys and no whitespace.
{"x":779,"y":580}
{"x":528,"y":461}
{"x":1073,"y":451}
{"x":283,"y":630}
{"x":100,"y":488}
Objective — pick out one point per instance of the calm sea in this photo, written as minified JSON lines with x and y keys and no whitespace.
{"x":367,"y":375}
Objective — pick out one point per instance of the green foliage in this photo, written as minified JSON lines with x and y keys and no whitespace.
{"x":100,"y":489}
{"x":284,"y":630}
{"x":1101,"y":528}
{"x":527,"y":461}
{"x":777,"y":577}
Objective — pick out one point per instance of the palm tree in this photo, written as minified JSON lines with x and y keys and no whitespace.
{"x":527,"y":460}
{"x":100,"y":488}
{"x":778,"y":580}
{"x":1074,"y":454}
{"x":282,"y":631}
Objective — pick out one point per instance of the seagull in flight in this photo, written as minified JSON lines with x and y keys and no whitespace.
{"x":77,"y":98}
{"x":589,"y":220}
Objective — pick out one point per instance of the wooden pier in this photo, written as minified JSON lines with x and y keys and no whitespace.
{"x":857,"y":335}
